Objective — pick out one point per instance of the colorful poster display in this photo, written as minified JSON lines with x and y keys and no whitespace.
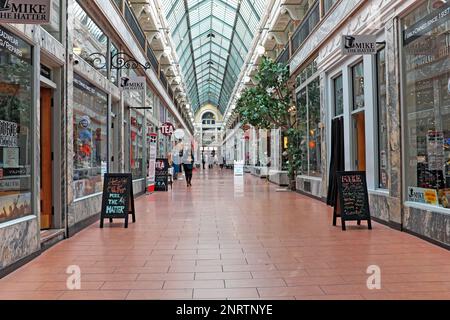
{"x":422,"y":195}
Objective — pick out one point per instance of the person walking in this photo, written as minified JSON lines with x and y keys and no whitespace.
{"x":188,"y":166}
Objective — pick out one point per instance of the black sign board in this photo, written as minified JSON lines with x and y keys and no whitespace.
{"x":353,"y":198}
{"x":161,"y":175}
{"x":118,"y":199}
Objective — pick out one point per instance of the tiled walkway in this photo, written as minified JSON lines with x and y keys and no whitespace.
{"x":227,"y":238}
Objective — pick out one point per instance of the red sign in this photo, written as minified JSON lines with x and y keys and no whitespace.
{"x":167,"y":129}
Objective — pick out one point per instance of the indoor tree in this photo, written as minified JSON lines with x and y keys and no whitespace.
{"x":269,"y":105}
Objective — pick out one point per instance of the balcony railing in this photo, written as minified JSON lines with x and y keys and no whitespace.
{"x":137,"y":31}
{"x":300,"y":35}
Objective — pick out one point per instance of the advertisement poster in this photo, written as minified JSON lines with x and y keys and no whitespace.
{"x":421,"y":195}
{"x":435,"y":150}
{"x":8,"y":134}
{"x":10,"y":157}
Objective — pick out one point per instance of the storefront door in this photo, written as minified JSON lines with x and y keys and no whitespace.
{"x":359,"y":141}
{"x":46,"y":158}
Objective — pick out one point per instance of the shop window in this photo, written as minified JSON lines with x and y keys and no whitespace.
{"x":338,"y":96}
{"x":382,"y":120}
{"x":308,"y":114}
{"x":89,"y":40}
{"x":16,"y":105}
{"x":90,"y":111}
{"x":426,"y":83}
{"x":358,"y":86}
{"x":149,"y":100}
{"x":137,"y":145}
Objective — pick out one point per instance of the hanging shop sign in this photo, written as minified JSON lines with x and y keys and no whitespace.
{"x":358,"y":45}
{"x":8,"y":134}
{"x":25,"y":11}
{"x":167,"y":129}
{"x":118,"y":198}
{"x":162,"y":175}
{"x":353,"y":198}
{"x":422,"y":195}
{"x":133,"y":84}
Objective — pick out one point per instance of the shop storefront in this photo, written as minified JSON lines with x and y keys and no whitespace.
{"x":90,"y":139}
{"x":425,"y":58}
{"x":426,"y":63}
{"x":16,"y":132}
{"x":310,"y":177}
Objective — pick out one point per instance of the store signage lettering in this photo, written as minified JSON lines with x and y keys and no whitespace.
{"x":8,"y":134}
{"x":25,"y":11}
{"x":421,"y":195}
{"x":10,"y":43}
{"x":426,"y":24}
{"x":133,"y":84}
{"x":161,"y":174}
{"x":358,"y":45}
{"x":10,"y":185}
{"x":167,"y":129}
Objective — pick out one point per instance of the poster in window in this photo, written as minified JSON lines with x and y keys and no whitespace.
{"x":435,"y":150}
{"x":10,"y":157}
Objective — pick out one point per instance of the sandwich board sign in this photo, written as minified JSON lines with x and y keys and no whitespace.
{"x":353,"y":198}
{"x":118,"y":198}
{"x":25,"y":11}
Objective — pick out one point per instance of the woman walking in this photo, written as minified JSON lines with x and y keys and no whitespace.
{"x":188,"y":166}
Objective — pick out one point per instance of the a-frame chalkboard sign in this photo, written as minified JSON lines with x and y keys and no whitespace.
{"x":353,"y":198}
{"x":118,"y":198}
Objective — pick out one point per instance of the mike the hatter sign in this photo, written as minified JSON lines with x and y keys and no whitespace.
{"x":25,"y":11}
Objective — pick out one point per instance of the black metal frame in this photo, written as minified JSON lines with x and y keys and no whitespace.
{"x":119,"y":61}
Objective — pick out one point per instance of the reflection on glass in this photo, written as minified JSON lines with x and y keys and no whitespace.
{"x":338,"y":96}
{"x":136,"y":145}
{"x":358,"y":86}
{"x":382,"y":121}
{"x":427,"y":105}
{"x":89,"y":41}
{"x":16,"y":72}
{"x":89,"y":138}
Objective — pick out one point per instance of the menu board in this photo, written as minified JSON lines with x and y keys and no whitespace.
{"x":118,"y":199}
{"x":353,"y":197}
{"x":161,"y":175}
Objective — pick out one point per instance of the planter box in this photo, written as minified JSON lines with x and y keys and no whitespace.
{"x":280,"y":178}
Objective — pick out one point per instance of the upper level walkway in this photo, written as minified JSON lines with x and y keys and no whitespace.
{"x":234,"y":238}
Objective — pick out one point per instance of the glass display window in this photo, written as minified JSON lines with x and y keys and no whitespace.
{"x":426,"y":103}
{"x":137,"y":145}
{"x":89,"y":138}
{"x":16,"y":105}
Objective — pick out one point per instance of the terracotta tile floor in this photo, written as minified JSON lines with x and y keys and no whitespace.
{"x":232,"y":238}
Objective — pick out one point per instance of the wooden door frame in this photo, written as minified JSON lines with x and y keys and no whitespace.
{"x":46,"y":158}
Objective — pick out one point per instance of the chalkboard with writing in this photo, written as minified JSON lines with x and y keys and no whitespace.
{"x":161,"y":175}
{"x":353,"y":197}
{"x":118,"y":199}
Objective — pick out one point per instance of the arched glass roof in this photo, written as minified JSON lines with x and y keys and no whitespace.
{"x":212,"y":39}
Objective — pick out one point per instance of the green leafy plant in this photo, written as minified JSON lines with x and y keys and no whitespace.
{"x":269,"y":105}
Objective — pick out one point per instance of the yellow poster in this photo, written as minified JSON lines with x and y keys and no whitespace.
{"x":431,"y":197}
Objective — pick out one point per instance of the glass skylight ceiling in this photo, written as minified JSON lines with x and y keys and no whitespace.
{"x":212,"y":39}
